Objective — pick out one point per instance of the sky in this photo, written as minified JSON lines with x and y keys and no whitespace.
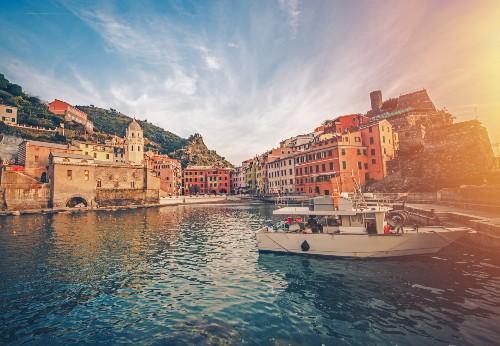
{"x":247,"y":74}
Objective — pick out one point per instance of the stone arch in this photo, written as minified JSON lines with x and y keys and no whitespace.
{"x":76,"y":201}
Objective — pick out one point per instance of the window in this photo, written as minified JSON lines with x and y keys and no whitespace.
{"x":317,"y":168}
{"x":371,"y":140}
{"x":372,"y":151}
{"x":323,"y":167}
{"x":358,"y":151}
{"x":343,"y":151}
{"x":383,"y":139}
{"x":385,"y":151}
{"x":344,"y":165}
{"x":8,"y":110}
{"x":366,"y":165}
{"x":107,"y":156}
{"x":370,"y":129}
{"x":331,"y":166}
{"x":359,"y":165}
{"x":374,"y":161}
{"x":86,"y":175}
{"x":36,"y":158}
{"x":138,"y":148}
{"x":99,"y":184}
{"x":69,"y":174}
{"x":357,"y":139}
{"x":132,"y":184}
{"x":95,"y":155}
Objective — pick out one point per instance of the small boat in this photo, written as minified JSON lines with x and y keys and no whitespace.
{"x":344,"y":227}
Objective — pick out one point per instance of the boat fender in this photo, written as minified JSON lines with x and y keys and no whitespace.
{"x":305,"y":246}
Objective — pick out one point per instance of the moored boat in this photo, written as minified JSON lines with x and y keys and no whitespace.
{"x":342,"y":227}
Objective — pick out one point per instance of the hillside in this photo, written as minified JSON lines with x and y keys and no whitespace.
{"x":32,"y":111}
{"x":196,"y":153}
{"x":114,"y":123}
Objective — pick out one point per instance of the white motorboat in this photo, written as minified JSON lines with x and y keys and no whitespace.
{"x":338,"y":226}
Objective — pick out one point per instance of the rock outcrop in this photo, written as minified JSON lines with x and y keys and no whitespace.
{"x":196,"y":153}
{"x":453,"y":155}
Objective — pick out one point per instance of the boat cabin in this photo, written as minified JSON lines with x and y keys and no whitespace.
{"x":325,"y":216}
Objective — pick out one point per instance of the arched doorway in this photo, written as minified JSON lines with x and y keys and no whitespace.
{"x":77,"y":202}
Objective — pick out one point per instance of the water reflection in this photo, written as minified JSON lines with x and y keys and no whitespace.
{"x":192,"y":275}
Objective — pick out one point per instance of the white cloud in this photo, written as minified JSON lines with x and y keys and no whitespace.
{"x":181,"y":83}
{"x":291,"y":7}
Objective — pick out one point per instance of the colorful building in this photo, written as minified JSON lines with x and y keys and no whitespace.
{"x":71,"y":114}
{"x":34,"y":156}
{"x":206,"y":180}
{"x":168,"y":170}
{"x":238,"y":180}
{"x":281,"y":174}
{"x":98,"y":151}
{"x":8,"y":114}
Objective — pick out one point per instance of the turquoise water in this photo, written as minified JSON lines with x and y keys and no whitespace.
{"x":192,"y":275}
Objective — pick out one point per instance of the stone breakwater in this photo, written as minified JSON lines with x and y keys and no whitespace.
{"x":165,"y":201}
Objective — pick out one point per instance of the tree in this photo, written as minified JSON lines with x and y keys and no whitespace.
{"x":15,"y":90}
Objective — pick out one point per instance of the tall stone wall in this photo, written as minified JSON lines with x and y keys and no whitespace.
{"x":18,"y":192}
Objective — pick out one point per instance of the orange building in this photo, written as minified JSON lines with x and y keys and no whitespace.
{"x":70,"y":113}
{"x":350,"y":150}
{"x":168,"y":170}
{"x":34,"y":156}
{"x":206,"y":180}
{"x":336,"y":160}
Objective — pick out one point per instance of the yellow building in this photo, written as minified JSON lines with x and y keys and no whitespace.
{"x":8,"y":114}
{"x":99,"y":152}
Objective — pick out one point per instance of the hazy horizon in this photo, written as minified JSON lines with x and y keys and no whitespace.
{"x":248,"y":74}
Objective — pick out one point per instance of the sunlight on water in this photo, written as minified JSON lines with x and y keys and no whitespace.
{"x":192,"y":275}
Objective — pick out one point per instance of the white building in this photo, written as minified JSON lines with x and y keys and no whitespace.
{"x":281,"y":175}
{"x":134,"y":144}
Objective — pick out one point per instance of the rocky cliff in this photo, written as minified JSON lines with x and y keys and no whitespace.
{"x":454,"y":155}
{"x":196,"y":153}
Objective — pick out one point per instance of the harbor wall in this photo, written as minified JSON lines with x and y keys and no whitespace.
{"x":113,"y":197}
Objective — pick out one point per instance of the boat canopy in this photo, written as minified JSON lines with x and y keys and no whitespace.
{"x":307,"y":211}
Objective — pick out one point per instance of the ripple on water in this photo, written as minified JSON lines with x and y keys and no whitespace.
{"x":192,"y":275}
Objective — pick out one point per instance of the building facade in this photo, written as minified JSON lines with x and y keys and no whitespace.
{"x":76,"y":179}
{"x":34,"y":156}
{"x":281,"y":175}
{"x":168,"y":170}
{"x":8,"y":114}
{"x":206,"y":180}
{"x":71,"y":114}
{"x":98,"y":151}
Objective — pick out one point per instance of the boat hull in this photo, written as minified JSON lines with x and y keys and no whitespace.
{"x":358,"y":245}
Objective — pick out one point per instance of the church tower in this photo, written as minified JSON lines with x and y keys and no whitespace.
{"x":134,"y":144}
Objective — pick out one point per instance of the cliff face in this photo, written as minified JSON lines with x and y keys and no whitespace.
{"x":196,"y":153}
{"x":454,"y":155}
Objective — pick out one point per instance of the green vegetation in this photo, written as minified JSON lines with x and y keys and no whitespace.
{"x":115,"y":123}
{"x":30,"y":110}
{"x":33,"y":112}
